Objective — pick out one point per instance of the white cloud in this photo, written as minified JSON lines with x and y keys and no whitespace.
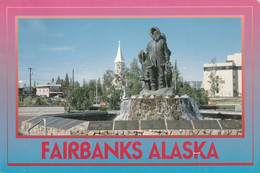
{"x":65,"y":48}
{"x":35,"y":25}
{"x":87,"y":75}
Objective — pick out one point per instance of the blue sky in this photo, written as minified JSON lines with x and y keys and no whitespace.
{"x":54,"y":47}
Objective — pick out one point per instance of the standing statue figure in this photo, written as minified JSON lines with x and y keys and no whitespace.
{"x":168,"y":72}
{"x":157,"y":53}
{"x":145,"y":70}
{"x":167,"y":66}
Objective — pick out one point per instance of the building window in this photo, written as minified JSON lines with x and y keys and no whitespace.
{"x":219,"y":68}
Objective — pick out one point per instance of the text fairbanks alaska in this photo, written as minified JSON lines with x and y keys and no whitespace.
{"x":129,"y":150}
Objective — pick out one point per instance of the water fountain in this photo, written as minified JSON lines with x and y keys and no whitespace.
{"x":157,"y":100}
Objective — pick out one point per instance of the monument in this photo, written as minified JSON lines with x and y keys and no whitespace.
{"x":157,"y":100}
{"x":156,"y":65}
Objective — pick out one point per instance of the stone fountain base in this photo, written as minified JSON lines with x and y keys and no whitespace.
{"x":162,"y":92}
{"x":159,"y":107}
{"x":67,"y":126}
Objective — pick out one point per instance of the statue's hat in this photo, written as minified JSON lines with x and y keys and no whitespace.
{"x":152,"y":30}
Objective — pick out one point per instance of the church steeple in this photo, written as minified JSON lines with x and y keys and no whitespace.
{"x":119,"y":61}
{"x":119,"y":56}
{"x":119,"y":70}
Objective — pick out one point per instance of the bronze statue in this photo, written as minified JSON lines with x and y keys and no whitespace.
{"x":156,"y":66}
{"x":168,"y":72}
{"x":145,"y":70}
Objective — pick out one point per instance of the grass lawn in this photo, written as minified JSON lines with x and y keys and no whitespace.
{"x":232,"y":99}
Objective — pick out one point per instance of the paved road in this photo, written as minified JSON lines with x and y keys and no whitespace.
{"x":224,"y":112}
{"x":37,"y":111}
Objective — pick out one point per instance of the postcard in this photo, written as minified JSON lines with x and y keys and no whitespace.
{"x":129,"y":86}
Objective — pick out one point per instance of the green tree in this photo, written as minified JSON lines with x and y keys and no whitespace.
{"x":66,"y":87}
{"x":214,"y":81}
{"x":76,"y":84}
{"x":110,"y":93}
{"x":99,"y":87}
{"x":59,"y":80}
{"x":81,"y":97}
{"x":108,"y":78}
{"x":132,"y":81}
{"x":200,"y":95}
{"x":114,"y":99}
{"x":39,"y":101}
{"x":84,"y":82}
{"x":67,"y":82}
{"x":92,"y":89}
{"x":176,"y":82}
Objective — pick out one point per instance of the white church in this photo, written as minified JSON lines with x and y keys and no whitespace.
{"x":119,"y":61}
{"x":119,"y":68}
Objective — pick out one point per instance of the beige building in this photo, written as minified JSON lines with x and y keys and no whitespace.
{"x":48,"y":90}
{"x":230,"y":72}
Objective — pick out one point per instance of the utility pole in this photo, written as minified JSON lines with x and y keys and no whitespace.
{"x":96,"y":92}
{"x":73,"y":79}
{"x":30,"y":80}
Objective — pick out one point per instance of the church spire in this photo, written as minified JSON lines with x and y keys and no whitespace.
{"x":119,"y":56}
{"x":119,"y":69}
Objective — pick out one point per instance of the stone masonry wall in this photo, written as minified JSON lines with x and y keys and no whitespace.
{"x":141,"y":127}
